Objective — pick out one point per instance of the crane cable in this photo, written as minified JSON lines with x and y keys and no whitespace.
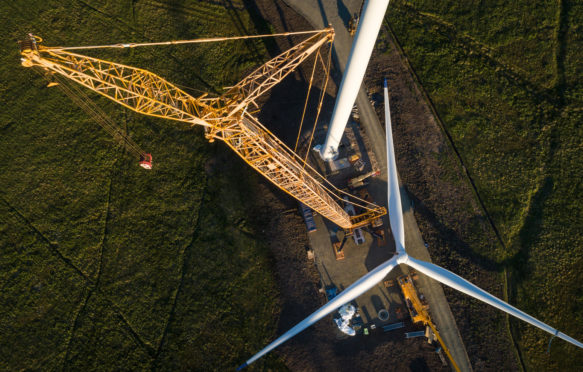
{"x":97,"y":114}
{"x":304,"y":160}
{"x":322,"y":95}
{"x":177,"y":42}
{"x":314,"y":173}
{"x":307,"y":99}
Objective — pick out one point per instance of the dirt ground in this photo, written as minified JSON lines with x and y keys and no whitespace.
{"x":320,"y":348}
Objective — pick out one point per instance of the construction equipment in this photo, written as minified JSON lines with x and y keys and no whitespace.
{"x":356,"y":232}
{"x":364,"y":195}
{"x":414,"y":334}
{"x":353,"y":24}
{"x":226,"y":117}
{"x":359,"y":165}
{"x":331,"y":292}
{"x":358,"y":181}
{"x":99,"y":116}
{"x":146,"y":161}
{"x":337,"y":247}
{"x":419,"y":311}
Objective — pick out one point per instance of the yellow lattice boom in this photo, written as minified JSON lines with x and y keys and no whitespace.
{"x":420,"y":312}
{"x":225,"y":117}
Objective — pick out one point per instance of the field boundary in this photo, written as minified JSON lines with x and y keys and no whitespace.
{"x":465,"y":171}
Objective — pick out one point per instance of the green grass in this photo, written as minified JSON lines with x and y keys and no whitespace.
{"x":505,"y":81}
{"x":107,"y":266}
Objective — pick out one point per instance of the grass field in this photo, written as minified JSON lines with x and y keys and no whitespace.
{"x":506,"y":83}
{"x":106,"y":266}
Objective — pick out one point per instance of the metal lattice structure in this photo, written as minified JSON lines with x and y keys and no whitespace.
{"x":225,"y":117}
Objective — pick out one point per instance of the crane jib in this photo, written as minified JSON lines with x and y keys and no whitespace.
{"x":225,"y":117}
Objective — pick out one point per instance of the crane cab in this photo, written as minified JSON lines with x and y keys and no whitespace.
{"x":146,"y":161}
{"x":28,"y":47}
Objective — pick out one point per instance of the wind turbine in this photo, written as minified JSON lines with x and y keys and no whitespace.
{"x":373,"y":277}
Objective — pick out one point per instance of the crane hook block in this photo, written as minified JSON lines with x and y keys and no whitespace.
{"x":146,"y":161}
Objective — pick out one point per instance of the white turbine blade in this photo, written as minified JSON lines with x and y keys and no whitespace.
{"x":356,"y":289}
{"x":393,"y":193}
{"x":448,"y":278}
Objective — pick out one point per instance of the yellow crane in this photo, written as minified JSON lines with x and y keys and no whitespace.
{"x":226,"y":117}
{"x":419,"y":312}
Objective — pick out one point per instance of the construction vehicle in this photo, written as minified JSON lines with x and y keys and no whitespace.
{"x":227,"y":117}
{"x":353,"y":158}
{"x":419,"y":311}
{"x":353,"y":24}
{"x":358,"y":181}
{"x":359,"y":165}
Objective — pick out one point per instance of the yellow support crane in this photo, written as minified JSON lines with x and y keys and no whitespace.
{"x":225,"y":117}
{"x":419,"y":312}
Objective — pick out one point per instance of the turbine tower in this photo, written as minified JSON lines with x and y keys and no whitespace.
{"x":372,"y":278}
{"x":373,"y":13}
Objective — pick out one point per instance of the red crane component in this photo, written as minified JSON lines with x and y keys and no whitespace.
{"x":146,"y":161}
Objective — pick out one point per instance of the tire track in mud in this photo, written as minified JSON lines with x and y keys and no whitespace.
{"x":81,"y":309}
{"x":127,"y":325}
{"x":185,"y":252}
{"x":233,"y":19}
{"x":197,"y":12}
{"x":450,"y":140}
{"x":52,"y":246}
{"x":555,"y":96}
{"x":99,"y":270}
{"x":91,"y":285}
{"x":109,"y":17}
